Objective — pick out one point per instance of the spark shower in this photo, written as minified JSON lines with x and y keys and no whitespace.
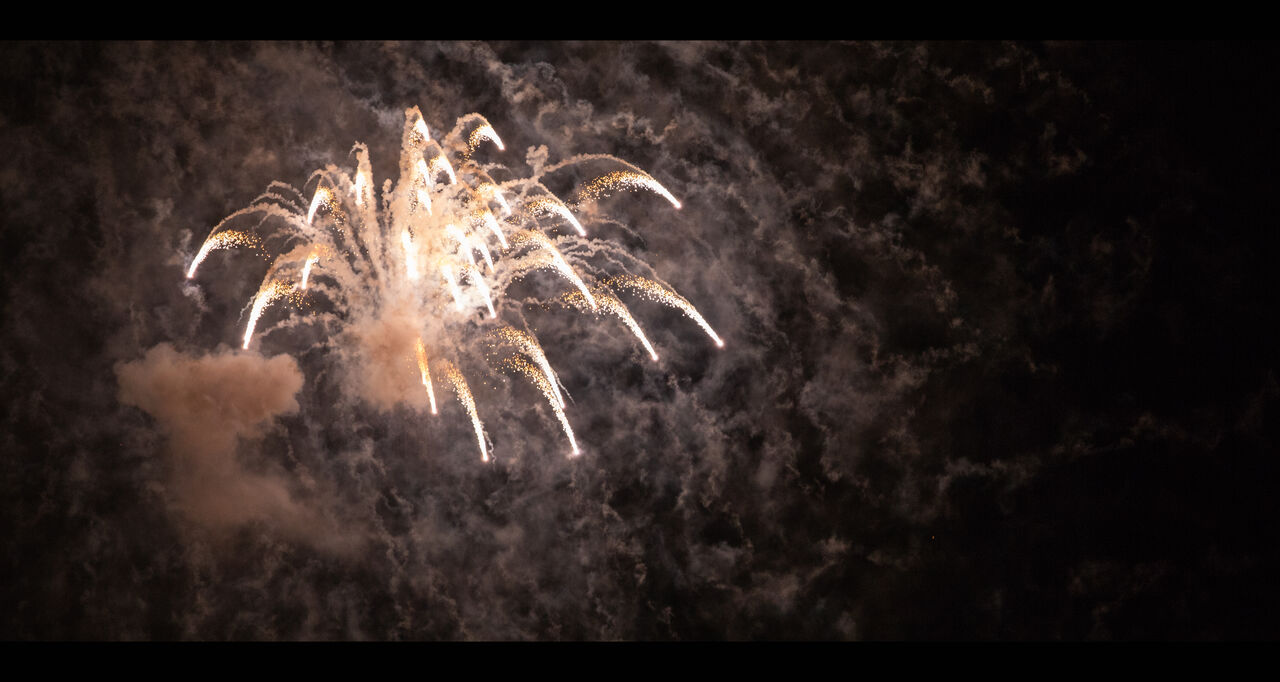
{"x":435,"y":260}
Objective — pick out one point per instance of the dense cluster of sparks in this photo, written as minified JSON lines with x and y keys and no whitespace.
{"x":445,"y":243}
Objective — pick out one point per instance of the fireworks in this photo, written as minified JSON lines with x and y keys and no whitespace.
{"x":311,"y":261}
{"x":269,"y":292}
{"x":624,"y":180}
{"x":426,"y":374}
{"x":220,"y":240}
{"x":660,"y":294}
{"x":414,"y":257}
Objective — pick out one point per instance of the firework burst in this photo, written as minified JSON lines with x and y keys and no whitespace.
{"x":413,"y":255}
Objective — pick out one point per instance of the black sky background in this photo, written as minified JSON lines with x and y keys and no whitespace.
{"x":999,"y":358}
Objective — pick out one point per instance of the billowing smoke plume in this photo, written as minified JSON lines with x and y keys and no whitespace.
{"x":213,"y":408}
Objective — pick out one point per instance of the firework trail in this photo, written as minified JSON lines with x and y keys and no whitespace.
{"x":323,"y":198}
{"x":306,"y":269}
{"x":221,"y":240}
{"x":546,"y":255}
{"x":270,"y":292}
{"x":624,"y":180}
{"x":607,"y":302}
{"x":460,"y":387}
{"x":553,"y":206}
{"x":535,"y":375}
{"x":410,"y":256}
{"x":484,"y":132}
{"x":425,"y":370}
{"x":453,"y":286}
{"x":408,"y":253}
{"x":658,"y":293}
{"x":525,"y":343}
{"x":493,"y":192}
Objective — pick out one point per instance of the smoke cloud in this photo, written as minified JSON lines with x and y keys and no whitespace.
{"x":213,"y":408}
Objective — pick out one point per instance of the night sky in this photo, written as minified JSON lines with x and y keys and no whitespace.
{"x":998,"y":362}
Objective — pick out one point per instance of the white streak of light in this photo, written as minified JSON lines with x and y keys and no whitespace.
{"x":410,"y":258}
{"x":306,"y":269}
{"x":486,"y":131}
{"x":321,"y":197}
{"x":495,"y":228}
{"x":453,"y":286}
{"x":464,"y":397}
{"x":426,"y":374}
{"x":359,"y":189}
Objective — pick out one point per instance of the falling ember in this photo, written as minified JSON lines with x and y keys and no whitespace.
{"x":492,"y":191}
{"x":440,"y":163}
{"x":306,"y":269}
{"x":426,"y":374}
{"x":468,"y":403}
{"x":525,"y":343}
{"x":660,"y":294}
{"x":476,"y":278}
{"x":453,"y":286}
{"x":625,"y":180}
{"x":410,"y":258}
{"x":358,"y":189}
{"x":221,"y":240}
{"x":484,"y":132}
{"x":610,"y":304}
{"x":267,"y":294}
{"x":322,"y":198}
{"x":492,"y":224}
{"x":454,"y":232}
{"x":549,"y":205}
{"x":424,"y":199}
{"x":524,"y":367}
{"x":370,"y":284}
{"x":552,"y":259}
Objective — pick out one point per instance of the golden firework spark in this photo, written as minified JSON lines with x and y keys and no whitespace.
{"x":270,"y":292}
{"x":523,"y":366}
{"x":660,"y":294}
{"x":463,"y":391}
{"x":425,"y":370}
{"x":221,"y":240}
{"x":624,"y":179}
